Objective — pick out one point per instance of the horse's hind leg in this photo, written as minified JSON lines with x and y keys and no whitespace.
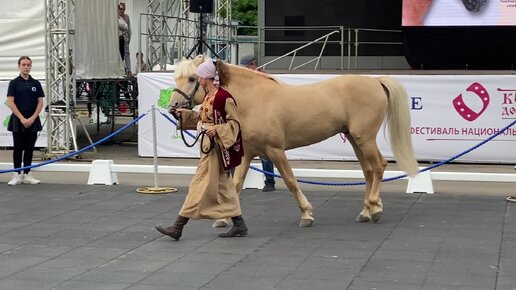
{"x":280,"y":161}
{"x":377,"y":167}
{"x":373,"y":166}
{"x":364,"y":215}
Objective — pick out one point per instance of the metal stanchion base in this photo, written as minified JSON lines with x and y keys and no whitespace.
{"x":511,"y":198}
{"x":156,"y":190}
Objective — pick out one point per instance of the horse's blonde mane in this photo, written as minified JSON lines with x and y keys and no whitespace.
{"x":187,"y":67}
{"x":255,"y":74}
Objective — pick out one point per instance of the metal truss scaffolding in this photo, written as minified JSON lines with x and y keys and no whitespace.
{"x":172,"y":30}
{"x":60,"y":75}
{"x":225,"y":33}
{"x":159,"y":31}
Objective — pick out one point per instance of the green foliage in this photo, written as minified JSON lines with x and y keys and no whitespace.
{"x":246,"y":12}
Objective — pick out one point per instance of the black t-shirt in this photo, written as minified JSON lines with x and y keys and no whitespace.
{"x":26,"y":94}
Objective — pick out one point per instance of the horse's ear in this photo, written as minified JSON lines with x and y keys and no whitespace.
{"x":198,"y":59}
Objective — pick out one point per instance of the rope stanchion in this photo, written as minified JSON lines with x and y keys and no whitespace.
{"x":155,"y":189}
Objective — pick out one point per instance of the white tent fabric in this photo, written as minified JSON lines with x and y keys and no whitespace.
{"x":22,"y":32}
{"x":96,"y":41}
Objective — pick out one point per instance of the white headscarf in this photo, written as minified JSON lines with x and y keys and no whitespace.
{"x":207,"y":70}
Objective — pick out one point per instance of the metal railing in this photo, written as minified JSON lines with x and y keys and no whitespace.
{"x":349,"y":40}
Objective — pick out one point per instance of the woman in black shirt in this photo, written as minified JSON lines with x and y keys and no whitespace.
{"x":25,"y":99}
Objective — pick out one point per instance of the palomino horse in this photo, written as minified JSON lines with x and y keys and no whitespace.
{"x":276,"y":117}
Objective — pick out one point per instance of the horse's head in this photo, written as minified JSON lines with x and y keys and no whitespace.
{"x":187,"y":92}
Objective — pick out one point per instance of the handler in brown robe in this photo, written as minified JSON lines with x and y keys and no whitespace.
{"x":211,"y":194}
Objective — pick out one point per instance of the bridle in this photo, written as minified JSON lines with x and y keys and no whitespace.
{"x":189,"y":105}
{"x":188,"y":97}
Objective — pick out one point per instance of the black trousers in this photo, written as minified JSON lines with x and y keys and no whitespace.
{"x":121,"y":46}
{"x":23,"y":148}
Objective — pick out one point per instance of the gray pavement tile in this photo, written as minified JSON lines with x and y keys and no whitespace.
{"x":325,"y":272}
{"x":178,"y":279}
{"x":23,"y":284}
{"x":106,"y":275}
{"x":384,"y":285}
{"x":48,"y":273}
{"x":506,"y":283}
{"x":311,"y":284}
{"x":231,"y":281}
{"x":236,"y":246}
{"x":395,"y":271}
{"x":210,"y":257}
{"x":89,"y":285}
{"x":75,"y":262}
{"x":161,"y":287}
{"x":90,"y":252}
{"x":15,"y":261}
{"x":404,"y":255}
{"x":440,"y":286}
{"x":142,"y":265}
{"x":202,"y":267}
{"x":37,"y":251}
{"x":463,"y":275}
{"x":261,"y":270}
{"x":274,"y":260}
{"x":105,"y":243}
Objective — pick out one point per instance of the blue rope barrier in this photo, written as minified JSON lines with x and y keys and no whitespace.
{"x":78,"y":151}
{"x":383,"y":180}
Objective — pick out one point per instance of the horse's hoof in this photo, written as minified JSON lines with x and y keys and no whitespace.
{"x":306,"y":222}
{"x":362,"y":218}
{"x":222,"y":223}
{"x":375,"y":217}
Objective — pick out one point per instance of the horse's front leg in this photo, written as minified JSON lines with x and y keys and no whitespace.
{"x":238,"y":181}
{"x":280,"y":161}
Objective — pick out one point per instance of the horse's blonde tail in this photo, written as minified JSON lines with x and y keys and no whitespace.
{"x":398,"y":121}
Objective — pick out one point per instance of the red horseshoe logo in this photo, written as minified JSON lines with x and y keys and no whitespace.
{"x":466,"y":112}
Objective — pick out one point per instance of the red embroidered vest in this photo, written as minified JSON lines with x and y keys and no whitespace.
{"x":232,"y":157}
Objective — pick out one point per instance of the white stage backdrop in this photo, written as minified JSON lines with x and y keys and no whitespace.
{"x":6,"y":139}
{"x":22,"y":32}
{"x":450,"y":113}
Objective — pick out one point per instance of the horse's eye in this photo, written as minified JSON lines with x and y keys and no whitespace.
{"x":191,"y":79}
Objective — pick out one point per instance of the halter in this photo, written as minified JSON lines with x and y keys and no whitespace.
{"x":190,"y":97}
{"x":201,"y":135}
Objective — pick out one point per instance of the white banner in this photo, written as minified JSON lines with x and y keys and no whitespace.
{"x":6,"y":139}
{"x":450,"y":114}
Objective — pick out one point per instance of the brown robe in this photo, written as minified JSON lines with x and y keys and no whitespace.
{"x":211,"y":194}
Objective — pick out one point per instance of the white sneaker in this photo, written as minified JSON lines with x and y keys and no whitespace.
{"x":17,"y":179}
{"x":27,"y":178}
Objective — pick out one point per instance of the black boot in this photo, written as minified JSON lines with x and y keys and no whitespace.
{"x":174,"y":231}
{"x":239,"y":228}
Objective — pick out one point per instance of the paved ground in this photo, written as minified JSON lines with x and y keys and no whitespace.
{"x":63,"y":234}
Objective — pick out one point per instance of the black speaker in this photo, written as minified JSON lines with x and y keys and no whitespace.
{"x":201,"y":6}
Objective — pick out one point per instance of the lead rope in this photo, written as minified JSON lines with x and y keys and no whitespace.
{"x":199,"y":136}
